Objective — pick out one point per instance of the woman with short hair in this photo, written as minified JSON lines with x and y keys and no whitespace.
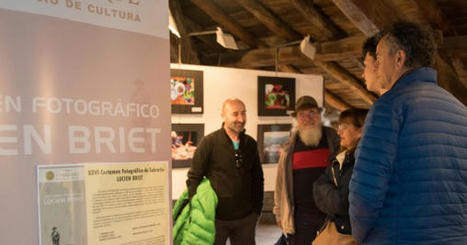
{"x":331,"y":190}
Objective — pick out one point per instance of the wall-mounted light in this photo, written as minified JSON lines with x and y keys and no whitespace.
{"x":308,"y":49}
{"x":224,"y":39}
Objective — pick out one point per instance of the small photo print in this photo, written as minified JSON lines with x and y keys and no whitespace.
{"x":184,"y":140}
{"x":183,"y":144}
{"x":271,"y":139}
{"x":276,"y":96}
{"x":182,"y":90}
{"x":273,"y":142}
{"x":186,"y":91}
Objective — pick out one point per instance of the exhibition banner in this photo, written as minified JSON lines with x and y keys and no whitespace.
{"x":80,"y":81}
{"x":103,"y":203}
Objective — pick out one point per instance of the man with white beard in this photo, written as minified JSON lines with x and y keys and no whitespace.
{"x":303,"y":160}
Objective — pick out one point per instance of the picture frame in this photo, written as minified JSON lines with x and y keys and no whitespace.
{"x":186,"y":91}
{"x":271,"y":137}
{"x":276,"y":96}
{"x":184,"y":140}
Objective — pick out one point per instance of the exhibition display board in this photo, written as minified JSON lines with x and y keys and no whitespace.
{"x":84,"y":88}
{"x":220,"y":83}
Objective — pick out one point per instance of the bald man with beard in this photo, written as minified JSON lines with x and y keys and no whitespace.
{"x":303,"y":160}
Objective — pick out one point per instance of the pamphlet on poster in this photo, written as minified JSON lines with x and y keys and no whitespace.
{"x":104,"y":203}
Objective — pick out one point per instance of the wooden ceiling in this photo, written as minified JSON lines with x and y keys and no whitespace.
{"x":338,"y":28}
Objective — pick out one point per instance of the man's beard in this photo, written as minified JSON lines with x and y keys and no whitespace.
{"x":310,"y":135}
{"x":237,"y":127}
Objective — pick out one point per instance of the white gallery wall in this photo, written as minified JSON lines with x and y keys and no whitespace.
{"x":221,"y":83}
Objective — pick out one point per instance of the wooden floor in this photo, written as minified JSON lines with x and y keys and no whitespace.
{"x":266,"y":234}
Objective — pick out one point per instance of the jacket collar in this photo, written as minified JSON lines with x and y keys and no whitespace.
{"x":424,"y":74}
{"x":349,"y":160}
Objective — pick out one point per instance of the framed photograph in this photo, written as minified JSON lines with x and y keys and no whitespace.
{"x":276,"y":96}
{"x":186,"y":91}
{"x":185,"y":138}
{"x":271,"y":137}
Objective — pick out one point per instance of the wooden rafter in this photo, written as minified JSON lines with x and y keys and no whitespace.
{"x":432,"y":14}
{"x":345,"y":48}
{"x":328,"y":29}
{"x":346,"y":78}
{"x":267,"y":57}
{"x":357,"y":17}
{"x":460,"y":69}
{"x":335,"y":101}
{"x":194,"y":27}
{"x":455,"y":46}
{"x":189,"y":54}
{"x":461,"y":72}
{"x":269,"y":19}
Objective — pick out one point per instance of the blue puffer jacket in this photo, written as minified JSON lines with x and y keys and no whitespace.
{"x":409,"y":184}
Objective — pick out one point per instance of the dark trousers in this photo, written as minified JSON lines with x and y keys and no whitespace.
{"x":240,"y":231}
{"x":306,"y":226}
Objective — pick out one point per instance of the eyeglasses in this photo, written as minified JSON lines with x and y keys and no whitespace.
{"x":238,"y":159}
{"x":343,"y":126}
{"x":307,"y":114}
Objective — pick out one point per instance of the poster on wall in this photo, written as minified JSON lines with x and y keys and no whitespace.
{"x":186,"y":91}
{"x":80,"y":81}
{"x":124,"y":203}
{"x":276,"y":96}
{"x":271,"y":138}
{"x":185,"y":139}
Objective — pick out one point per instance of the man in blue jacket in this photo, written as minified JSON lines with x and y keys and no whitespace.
{"x":409,"y":184}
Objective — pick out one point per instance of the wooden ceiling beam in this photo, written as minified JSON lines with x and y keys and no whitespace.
{"x":369,"y":16}
{"x":269,"y":19}
{"x":334,"y":101}
{"x":433,"y":15}
{"x":189,"y":54}
{"x":227,"y":22}
{"x":460,"y":69}
{"x":194,"y":27}
{"x":325,"y":26}
{"x":289,"y":68}
{"x":455,"y":46}
{"x":173,"y":48}
{"x":459,"y":87}
{"x":346,"y":48}
{"x":346,"y":78}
